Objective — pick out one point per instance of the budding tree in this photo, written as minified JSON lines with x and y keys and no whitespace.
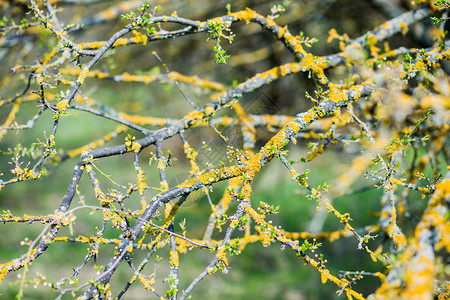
{"x":139,"y":145}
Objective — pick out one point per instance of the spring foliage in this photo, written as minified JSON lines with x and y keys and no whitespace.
{"x":380,"y":101}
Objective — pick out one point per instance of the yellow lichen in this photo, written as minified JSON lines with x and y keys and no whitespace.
{"x":83,"y":75}
{"x":332,"y":34}
{"x":315,"y":64}
{"x":209,"y":110}
{"x":193,"y":117}
{"x":221,"y":255}
{"x":174,"y":259}
{"x":147,"y":283}
{"x":62,"y":105}
{"x":141,"y":181}
{"x":245,"y":15}
{"x":139,"y":38}
{"x":336,"y":93}
{"x":403,"y":28}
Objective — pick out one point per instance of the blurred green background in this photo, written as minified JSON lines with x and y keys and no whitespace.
{"x":258,"y":273}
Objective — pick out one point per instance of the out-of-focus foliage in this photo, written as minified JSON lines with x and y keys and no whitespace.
{"x":171,"y":149}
